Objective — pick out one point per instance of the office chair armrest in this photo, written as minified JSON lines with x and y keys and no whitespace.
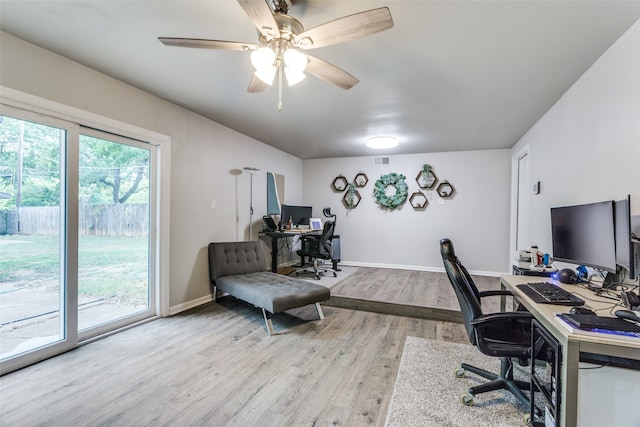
{"x":500,"y":293}
{"x":493,"y":293}
{"x":501,"y":317}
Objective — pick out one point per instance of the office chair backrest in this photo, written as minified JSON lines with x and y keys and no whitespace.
{"x":325,"y":238}
{"x":464,"y":287}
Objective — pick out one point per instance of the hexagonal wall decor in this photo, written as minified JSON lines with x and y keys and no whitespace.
{"x":426,"y":180}
{"x":361,"y":180}
{"x":339,"y":184}
{"x":351,"y":199}
{"x":418,"y":200}
{"x":445,"y":189}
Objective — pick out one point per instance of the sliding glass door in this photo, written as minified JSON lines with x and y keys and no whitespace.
{"x":77,"y":227}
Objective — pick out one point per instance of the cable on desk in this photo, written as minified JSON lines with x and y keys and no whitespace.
{"x":587,"y":368}
{"x":598,"y":291}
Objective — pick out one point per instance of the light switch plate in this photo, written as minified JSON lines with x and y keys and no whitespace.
{"x":536,"y":188}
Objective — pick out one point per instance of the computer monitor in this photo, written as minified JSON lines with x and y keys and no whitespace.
{"x":624,"y":246}
{"x":584,"y":235}
{"x":299,"y":215}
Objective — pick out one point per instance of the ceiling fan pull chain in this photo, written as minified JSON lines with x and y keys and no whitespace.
{"x":280,"y":87}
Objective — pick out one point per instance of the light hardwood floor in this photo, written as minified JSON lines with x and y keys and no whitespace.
{"x":216,"y":366}
{"x":411,"y":287}
{"x":420,"y":294}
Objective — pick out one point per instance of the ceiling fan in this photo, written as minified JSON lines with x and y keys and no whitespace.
{"x":281,"y":37}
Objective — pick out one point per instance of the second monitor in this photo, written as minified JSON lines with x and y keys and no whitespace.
{"x":299,"y":215}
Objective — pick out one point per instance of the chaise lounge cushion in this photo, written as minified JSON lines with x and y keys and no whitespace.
{"x":273,"y":292}
{"x":239,"y":269}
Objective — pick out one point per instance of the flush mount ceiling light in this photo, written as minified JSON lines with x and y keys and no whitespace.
{"x":382,"y":142}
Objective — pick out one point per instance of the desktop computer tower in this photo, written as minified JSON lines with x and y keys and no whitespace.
{"x":335,"y":251}
{"x":546,"y":363}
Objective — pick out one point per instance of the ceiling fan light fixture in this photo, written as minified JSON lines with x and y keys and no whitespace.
{"x":382,"y":142}
{"x":262,"y":59}
{"x":293,"y":77}
{"x":295,"y":60}
{"x":267,"y":75}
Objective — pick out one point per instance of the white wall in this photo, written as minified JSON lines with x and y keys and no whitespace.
{"x":476,"y":218}
{"x":586,"y":148}
{"x":203,"y":154}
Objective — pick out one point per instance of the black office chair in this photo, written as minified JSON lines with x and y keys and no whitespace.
{"x":318,"y":248}
{"x":503,"y":334}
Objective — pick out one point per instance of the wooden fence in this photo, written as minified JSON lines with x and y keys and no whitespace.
{"x":128,"y":219}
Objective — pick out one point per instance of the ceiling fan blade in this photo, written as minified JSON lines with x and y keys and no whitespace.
{"x":260,"y":14}
{"x":256,"y":85}
{"x":207,"y":44}
{"x":346,"y":28}
{"x":330,"y":73}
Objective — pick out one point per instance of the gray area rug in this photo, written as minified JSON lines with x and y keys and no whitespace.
{"x":427,"y":393}
{"x":327,"y":279}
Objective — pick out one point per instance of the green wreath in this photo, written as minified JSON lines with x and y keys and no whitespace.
{"x":395,"y":200}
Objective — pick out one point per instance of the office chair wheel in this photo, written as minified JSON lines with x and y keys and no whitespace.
{"x":459,"y":372}
{"x":467,"y":399}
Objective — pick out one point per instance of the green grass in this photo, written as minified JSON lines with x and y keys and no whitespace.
{"x":108,"y":267}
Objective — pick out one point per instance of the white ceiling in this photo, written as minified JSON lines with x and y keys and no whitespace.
{"x":450,"y":75}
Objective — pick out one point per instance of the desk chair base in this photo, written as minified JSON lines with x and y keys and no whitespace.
{"x":318,"y":268}
{"x":502,"y":381}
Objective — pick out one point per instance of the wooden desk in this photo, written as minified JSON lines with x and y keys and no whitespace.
{"x":573,"y":343}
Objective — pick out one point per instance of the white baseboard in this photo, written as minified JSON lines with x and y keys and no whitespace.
{"x":189,"y":304}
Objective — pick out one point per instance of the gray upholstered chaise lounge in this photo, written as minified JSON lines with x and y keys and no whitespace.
{"x":239,"y":269}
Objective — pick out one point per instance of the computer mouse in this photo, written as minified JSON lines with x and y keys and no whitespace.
{"x":567,"y":276}
{"x":581,"y":310}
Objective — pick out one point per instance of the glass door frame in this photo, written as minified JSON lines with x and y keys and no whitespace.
{"x":68,"y":242}
{"x":152,"y":308}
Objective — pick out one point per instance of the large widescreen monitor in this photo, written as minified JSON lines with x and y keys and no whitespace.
{"x":584,"y":235}
{"x":299,"y":215}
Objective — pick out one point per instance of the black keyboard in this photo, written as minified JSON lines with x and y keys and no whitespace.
{"x":590,"y":322}
{"x":548,"y":293}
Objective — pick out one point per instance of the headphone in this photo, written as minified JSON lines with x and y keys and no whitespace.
{"x":630,"y":300}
